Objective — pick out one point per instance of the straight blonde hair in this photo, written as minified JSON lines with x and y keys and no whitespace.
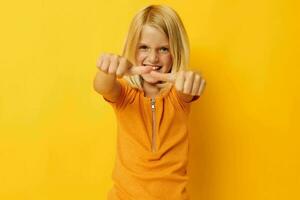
{"x":166,"y":20}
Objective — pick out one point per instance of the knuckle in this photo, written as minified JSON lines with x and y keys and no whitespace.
{"x":108,"y":56}
{"x":104,"y":57}
{"x":114,"y":57}
{"x":190,"y":74}
{"x":121,"y":63}
{"x":181,"y":74}
{"x":101,"y":58}
{"x":122,"y":60}
{"x":111,"y":57}
{"x":197,"y":77}
{"x":98,"y":62}
{"x":111,"y":71}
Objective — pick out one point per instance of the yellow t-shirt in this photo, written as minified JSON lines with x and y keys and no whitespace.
{"x":147,"y":167}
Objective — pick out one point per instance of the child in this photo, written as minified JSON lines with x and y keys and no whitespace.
{"x":150,"y":91}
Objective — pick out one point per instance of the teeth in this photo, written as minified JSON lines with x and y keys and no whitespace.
{"x":154,"y":67}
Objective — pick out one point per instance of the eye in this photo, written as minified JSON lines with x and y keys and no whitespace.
{"x":143,"y":47}
{"x":164,"y":49}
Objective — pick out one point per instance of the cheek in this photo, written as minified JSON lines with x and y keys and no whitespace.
{"x":140,"y":57}
{"x":167,"y":60}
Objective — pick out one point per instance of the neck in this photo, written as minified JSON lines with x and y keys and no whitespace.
{"x":150,"y":90}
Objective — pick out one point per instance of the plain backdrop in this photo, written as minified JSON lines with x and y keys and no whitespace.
{"x":58,"y":136}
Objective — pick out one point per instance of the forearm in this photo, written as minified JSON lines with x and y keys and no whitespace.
{"x":103,"y":82}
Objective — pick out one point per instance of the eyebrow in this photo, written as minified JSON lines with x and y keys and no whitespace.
{"x":163,"y":45}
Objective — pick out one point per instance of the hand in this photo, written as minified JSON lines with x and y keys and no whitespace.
{"x":187,"y":82}
{"x":120,"y":66}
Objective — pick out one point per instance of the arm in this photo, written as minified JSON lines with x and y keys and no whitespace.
{"x":107,"y":85}
{"x":110,"y":66}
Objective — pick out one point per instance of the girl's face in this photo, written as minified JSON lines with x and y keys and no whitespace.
{"x":153,"y":49}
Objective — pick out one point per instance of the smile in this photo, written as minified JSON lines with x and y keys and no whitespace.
{"x":154,"y":67}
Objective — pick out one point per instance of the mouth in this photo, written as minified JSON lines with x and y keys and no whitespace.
{"x":154,"y":67}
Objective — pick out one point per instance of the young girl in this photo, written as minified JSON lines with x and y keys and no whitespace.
{"x":150,"y":91}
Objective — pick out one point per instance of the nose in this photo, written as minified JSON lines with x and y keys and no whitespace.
{"x":152,"y":57}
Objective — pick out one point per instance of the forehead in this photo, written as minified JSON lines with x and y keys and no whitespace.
{"x":153,"y":36}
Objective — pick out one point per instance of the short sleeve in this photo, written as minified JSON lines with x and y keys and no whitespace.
{"x":183,"y":104}
{"x":121,"y":101}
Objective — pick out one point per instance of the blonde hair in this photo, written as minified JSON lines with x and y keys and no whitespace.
{"x":164,"y":19}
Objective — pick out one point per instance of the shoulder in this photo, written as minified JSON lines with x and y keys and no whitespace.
{"x":185,"y":98}
{"x":124,"y":93}
{"x":182,"y":101}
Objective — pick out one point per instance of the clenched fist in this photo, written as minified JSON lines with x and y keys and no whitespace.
{"x":120,"y":66}
{"x":187,"y":82}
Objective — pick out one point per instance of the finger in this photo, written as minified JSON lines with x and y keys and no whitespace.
{"x":123,"y":66}
{"x":168,"y":77}
{"x":99,"y":61}
{"x":114,"y":62}
{"x":105,"y":63}
{"x":188,"y":83}
{"x":196,"y":84}
{"x":137,"y":70}
{"x":201,"y":88}
{"x":179,"y":83}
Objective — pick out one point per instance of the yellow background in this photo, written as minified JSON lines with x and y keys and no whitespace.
{"x":57,"y":136}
